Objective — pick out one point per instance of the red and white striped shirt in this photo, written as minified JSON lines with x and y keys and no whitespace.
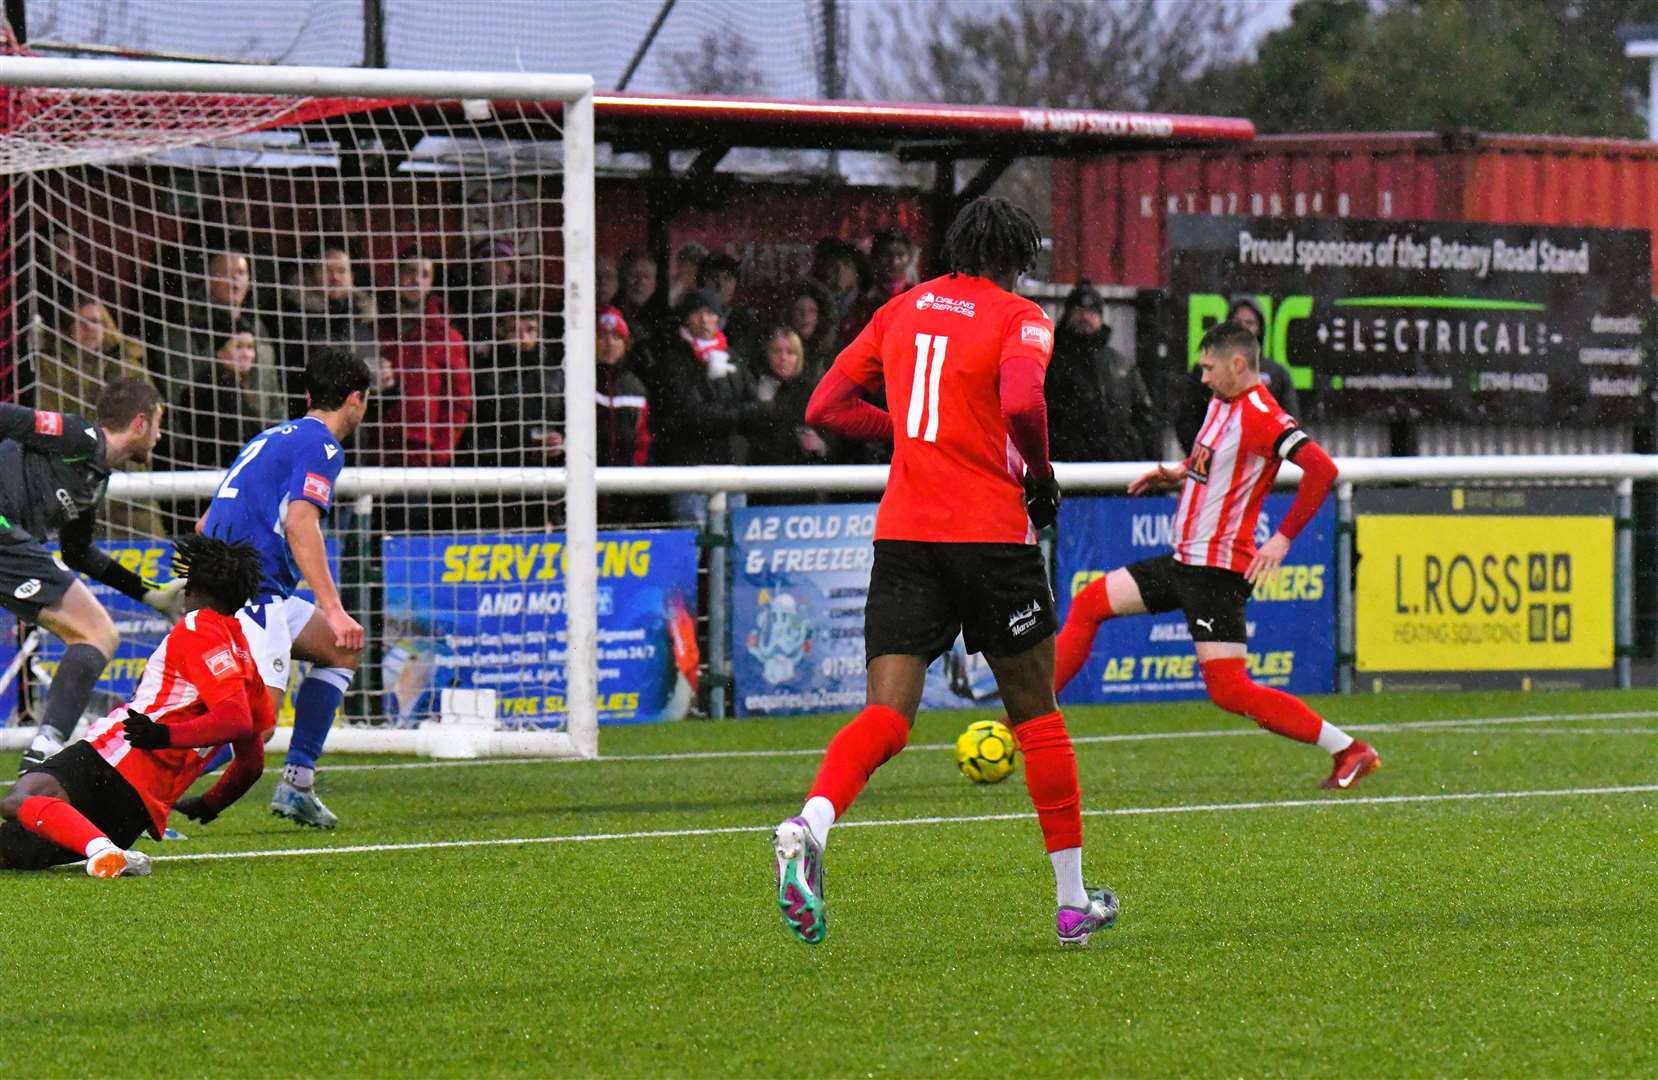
{"x":201,"y":662}
{"x":1233,"y":462}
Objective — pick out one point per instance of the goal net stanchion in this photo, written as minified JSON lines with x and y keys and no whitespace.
{"x":209,"y":226}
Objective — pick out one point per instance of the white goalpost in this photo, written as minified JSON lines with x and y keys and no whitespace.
{"x":209,"y":226}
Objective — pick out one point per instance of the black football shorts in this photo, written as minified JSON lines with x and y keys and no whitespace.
{"x":30,"y":579}
{"x":95,"y":789}
{"x":921,"y":595}
{"x":1212,"y":597}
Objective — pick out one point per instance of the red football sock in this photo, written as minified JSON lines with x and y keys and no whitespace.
{"x":1089,"y":608}
{"x":1231,"y":688}
{"x":1051,"y":779}
{"x":58,"y":822}
{"x":856,"y":751}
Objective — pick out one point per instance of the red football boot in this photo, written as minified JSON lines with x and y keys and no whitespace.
{"x":1352,"y":765}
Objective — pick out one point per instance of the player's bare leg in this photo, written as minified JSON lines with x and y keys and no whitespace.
{"x":1115,"y":594}
{"x":40,"y":804}
{"x":1226,"y":675}
{"x":1026,"y":682}
{"x":90,"y":638}
{"x":315,"y":705}
{"x":871,"y":739}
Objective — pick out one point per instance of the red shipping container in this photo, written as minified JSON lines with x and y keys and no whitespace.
{"x":1109,"y":211}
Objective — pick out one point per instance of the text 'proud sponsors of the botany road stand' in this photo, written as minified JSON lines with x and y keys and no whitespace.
{"x":1441,"y":320}
{"x":797,"y":615}
{"x":488,"y":611}
{"x":1290,"y":620}
{"x":1479,"y":587}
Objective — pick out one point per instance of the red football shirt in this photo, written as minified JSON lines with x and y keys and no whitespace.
{"x":1233,"y":463}
{"x":201,"y":662}
{"x":938,"y":349}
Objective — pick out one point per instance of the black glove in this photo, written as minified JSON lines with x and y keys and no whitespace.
{"x":1041,"y":498}
{"x":195,"y":808}
{"x":146,"y":734}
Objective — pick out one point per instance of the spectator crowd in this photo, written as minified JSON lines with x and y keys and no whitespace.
{"x":699,"y":365}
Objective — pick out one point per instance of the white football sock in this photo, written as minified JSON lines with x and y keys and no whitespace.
{"x":1068,"y":877}
{"x":300,"y":776}
{"x":1332,"y":738}
{"x":46,"y":743}
{"x":819,"y":813}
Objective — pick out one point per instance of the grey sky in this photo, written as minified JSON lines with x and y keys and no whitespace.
{"x":545,"y":35}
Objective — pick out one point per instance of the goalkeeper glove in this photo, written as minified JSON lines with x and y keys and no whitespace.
{"x":1041,"y":498}
{"x":144,"y":733}
{"x":195,"y":808}
{"x":167,"y":599}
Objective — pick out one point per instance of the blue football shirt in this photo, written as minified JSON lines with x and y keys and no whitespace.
{"x":299,"y":459}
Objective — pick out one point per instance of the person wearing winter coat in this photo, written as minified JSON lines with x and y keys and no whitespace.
{"x":1098,"y":406}
{"x":703,"y":397}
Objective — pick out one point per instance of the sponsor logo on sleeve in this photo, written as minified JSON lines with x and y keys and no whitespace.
{"x":27,"y":589}
{"x":48,"y":423}
{"x":330,"y":450}
{"x":1035,"y":333}
{"x":317,"y":487}
{"x":221,"y":663}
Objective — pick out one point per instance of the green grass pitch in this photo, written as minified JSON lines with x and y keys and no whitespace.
{"x":1268,"y":928}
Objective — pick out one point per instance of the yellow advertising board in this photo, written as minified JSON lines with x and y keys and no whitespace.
{"x":1483,"y":591}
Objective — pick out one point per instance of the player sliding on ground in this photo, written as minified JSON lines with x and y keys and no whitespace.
{"x":1215,"y":563}
{"x":200,"y":690}
{"x":962,"y":361}
{"x":274,"y":498}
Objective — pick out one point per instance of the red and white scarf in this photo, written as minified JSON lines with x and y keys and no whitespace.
{"x":714,"y":352}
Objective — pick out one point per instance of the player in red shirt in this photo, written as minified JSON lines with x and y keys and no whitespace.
{"x":962,"y":361}
{"x":200,"y":690}
{"x":1215,"y":563}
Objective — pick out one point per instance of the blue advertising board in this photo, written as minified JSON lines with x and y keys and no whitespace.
{"x":487,"y":611}
{"x":797,"y":615}
{"x":1291,"y":619}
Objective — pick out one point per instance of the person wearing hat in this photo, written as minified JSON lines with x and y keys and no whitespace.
{"x":1274,"y":376}
{"x":702,"y":396}
{"x":622,"y":418}
{"x":1098,"y":406}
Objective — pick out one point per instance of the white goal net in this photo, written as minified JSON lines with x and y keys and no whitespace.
{"x":210,"y":227}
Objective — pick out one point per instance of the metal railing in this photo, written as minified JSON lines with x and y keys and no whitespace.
{"x":1619,"y":470}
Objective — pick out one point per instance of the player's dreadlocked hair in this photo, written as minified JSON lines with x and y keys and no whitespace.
{"x":992,"y":237}
{"x":227,"y":574}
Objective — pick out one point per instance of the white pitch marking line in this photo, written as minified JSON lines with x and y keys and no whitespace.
{"x":1126,"y":811}
{"x":1242,"y":729}
{"x":1150,"y":736}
